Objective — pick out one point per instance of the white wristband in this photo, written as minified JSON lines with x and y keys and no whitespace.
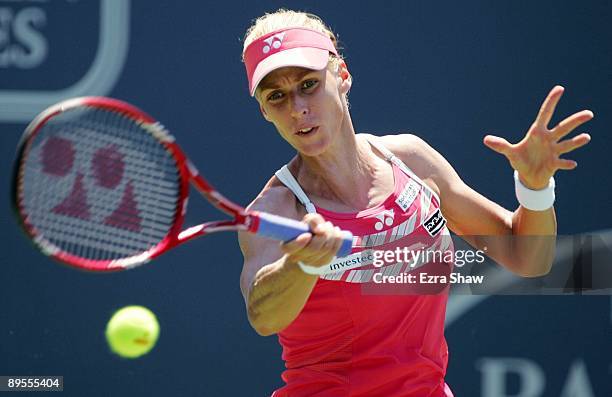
{"x":535,"y":200}
{"x":311,"y":269}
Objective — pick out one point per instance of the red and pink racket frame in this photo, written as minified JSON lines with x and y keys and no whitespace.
{"x":260,"y":223}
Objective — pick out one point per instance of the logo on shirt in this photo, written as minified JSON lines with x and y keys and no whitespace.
{"x":384,"y":218}
{"x":434,"y":223}
{"x":408,"y":195}
{"x":273,"y":42}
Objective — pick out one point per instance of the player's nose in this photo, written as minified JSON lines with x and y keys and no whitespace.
{"x":299,"y":106}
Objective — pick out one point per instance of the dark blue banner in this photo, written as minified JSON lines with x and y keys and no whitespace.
{"x":448,"y":72}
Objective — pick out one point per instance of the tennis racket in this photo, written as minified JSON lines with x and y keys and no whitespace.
{"x":100,"y":185}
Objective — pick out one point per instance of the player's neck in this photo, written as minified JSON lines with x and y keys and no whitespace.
{"x":345,"y":173}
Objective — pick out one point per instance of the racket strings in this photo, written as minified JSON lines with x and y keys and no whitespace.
{"x":165,"y":191}
{"x":97,"y":185}
{"x":117,"y":243}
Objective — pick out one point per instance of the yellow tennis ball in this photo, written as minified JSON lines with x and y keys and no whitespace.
{"x":132,"y":331}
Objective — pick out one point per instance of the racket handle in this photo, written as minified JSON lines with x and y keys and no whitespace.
{"x":285,"y":229}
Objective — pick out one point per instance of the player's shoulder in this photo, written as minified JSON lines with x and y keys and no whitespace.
{"x":404,"y":145}
{"x":275,"y":198}
{"x":419,"y":156}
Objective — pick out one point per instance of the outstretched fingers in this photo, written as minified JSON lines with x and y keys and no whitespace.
{"x":498,"y":144}
{"x":574,"y":143}
{"x":565,"y":164}
{"x":571,"y":123}
{"x":548,"y":106}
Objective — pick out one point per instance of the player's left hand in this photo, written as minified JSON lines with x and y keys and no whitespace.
{"x":537,"y":156}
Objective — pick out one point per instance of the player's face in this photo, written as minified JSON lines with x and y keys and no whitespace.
{"x":304,"y":105}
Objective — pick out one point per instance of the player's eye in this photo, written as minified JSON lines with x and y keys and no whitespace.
{"x":275,"y":96}
{"x":309,"y":84}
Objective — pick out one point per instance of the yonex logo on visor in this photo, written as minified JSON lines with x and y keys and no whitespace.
{"x":300,"y":47}
{"x":274,"y":41}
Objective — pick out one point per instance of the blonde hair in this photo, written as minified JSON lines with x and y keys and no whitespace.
{"x":284,"y":18}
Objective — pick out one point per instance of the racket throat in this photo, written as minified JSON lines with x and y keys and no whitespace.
{"x":209,"y":227}
{"x":191,"y":233}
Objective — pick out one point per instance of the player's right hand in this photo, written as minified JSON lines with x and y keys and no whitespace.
{"x":316,"y":248}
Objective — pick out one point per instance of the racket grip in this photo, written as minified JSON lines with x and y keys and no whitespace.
{"x":285,"y":229}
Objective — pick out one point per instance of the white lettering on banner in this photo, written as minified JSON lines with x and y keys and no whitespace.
{"x":577,"y":383}
{"x":495,"y":375}
{"x":532,"y":379}
{"x":29,"y":48}
{"x":408,"y":195}
{"x":23,"y":46}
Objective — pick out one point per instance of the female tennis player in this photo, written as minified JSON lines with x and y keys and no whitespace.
{"x":389,"y":191}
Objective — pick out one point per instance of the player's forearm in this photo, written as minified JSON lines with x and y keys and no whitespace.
{"x":277,"y":295}
{"x":533,"y":242}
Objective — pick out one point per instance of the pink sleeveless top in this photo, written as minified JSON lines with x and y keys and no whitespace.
{"x":358,"y":337}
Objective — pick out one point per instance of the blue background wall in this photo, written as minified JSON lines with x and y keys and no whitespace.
{"x":450,"y":72}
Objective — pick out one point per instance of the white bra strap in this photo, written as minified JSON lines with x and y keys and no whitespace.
{"x":285,"y":176}
{"x":386,"y":152}
{"x":395,"y":160}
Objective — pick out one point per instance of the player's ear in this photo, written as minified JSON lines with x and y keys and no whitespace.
{"x":346,"y":81}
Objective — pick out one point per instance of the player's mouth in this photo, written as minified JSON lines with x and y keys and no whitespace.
{"x":307,"y":131}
